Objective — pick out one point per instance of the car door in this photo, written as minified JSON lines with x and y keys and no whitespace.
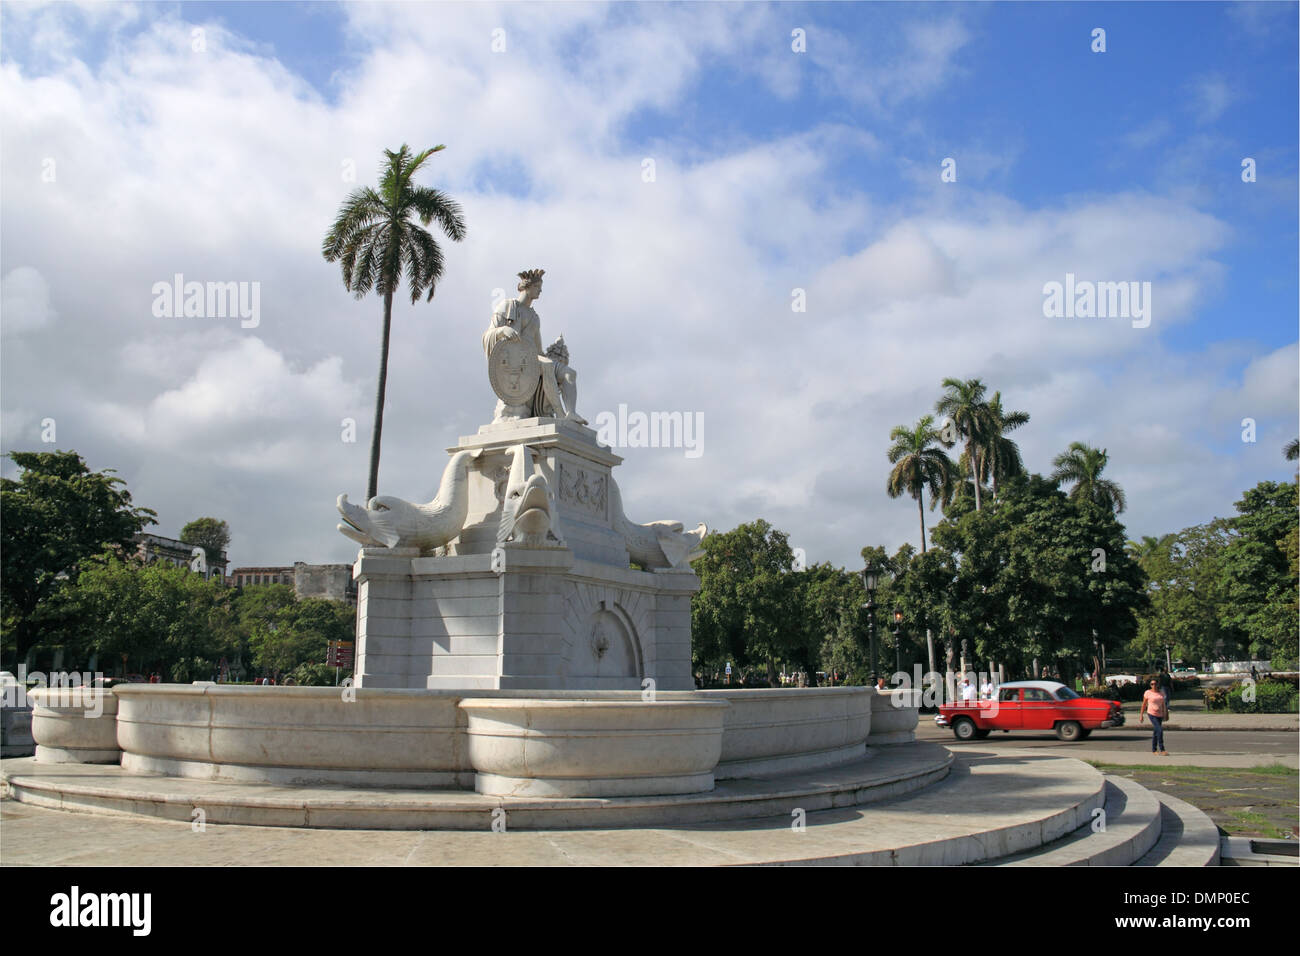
{"x":1006,"y":716}
{"x":1037,"y":709}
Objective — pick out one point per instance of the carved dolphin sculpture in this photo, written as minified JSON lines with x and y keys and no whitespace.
{"x":657,"y":544}
{"x":387,"y":522}
{"x":527,"y":514}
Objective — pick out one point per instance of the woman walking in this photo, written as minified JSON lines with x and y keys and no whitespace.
{"x":1155,"y":706}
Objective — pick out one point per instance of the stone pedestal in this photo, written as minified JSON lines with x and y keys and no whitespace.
{"x":567,"y":613}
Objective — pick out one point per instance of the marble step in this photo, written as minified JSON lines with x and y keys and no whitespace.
{"x":991,"y":805}
{"x":1132,"y":826}
{"x":1187,"y":836}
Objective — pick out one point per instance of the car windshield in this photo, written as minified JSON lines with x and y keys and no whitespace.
{"x":1065,"y":694}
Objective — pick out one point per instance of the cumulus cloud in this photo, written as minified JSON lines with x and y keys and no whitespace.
{"x":674,"y":294}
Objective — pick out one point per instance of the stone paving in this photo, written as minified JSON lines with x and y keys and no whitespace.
{"x":993,"y":803}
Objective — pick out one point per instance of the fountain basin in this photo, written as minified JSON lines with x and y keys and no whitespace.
{"x":294,"y":735}
{"x":776,"y":731}
{"x":894,"y":715}
{"x":593,"y":748}
{"x":75,"y":725}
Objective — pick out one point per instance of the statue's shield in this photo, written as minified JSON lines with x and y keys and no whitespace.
{"x":514,"y":371}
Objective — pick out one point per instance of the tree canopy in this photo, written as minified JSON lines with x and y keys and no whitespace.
{"x":57,"y":513}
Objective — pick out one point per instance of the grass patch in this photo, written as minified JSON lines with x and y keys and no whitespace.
{"x":1271,"y":770}
{"x":1244,"y":821}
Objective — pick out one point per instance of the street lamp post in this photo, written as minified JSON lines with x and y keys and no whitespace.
{"x":870,"y":578}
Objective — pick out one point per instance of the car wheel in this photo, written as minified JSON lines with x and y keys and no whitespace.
{"x":963,"y":728}
{"x":981,"y":734}
{"x":1069,"y":731}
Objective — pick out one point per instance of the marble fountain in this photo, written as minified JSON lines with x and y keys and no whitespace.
{"x":521,"y":644}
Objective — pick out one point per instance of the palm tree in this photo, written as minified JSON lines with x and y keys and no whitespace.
{"x":1148,"y":546}
{"x":1083,"y":465}
{"x":1002,"y":455}
{"x":920,"y":464}
{"x":964,"y":405}
{"x":1292,"y":449}
{"x":376,"y":242}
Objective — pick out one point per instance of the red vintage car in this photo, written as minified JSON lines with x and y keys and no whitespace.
{"x":1029,"y":705}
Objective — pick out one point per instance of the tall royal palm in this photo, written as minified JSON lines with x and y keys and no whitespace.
{"x":1001,"y":456}
{"x":965,"y":406}
{"x":377,"y":243}
{"x":919,"y":463}
{"x":1083,"y":465}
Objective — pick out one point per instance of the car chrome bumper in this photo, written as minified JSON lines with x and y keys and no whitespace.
{"x":941,"y":720}
{"x":1114,"y":722}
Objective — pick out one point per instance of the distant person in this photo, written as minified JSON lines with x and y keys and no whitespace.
{"x":967,"y":690}
{"x":986,"y":690}
{"x":1254,"y":674}
{"x":880,"y":684}
{"x":1156,"y":706}
{"x":1166,"y":686}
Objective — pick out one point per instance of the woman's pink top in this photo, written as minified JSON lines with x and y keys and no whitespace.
{"x":1155,"y":702}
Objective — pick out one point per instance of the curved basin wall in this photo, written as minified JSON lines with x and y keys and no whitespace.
{"x":536,"y":747}
{"x":894,"y":715}
{"x":74,"y":725}
{"x":294,"y":734}
{"x":785,"y":730}
{"x":475,"y":739}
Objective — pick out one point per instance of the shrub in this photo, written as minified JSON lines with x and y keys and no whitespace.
{"x":1216,"y":698}
{"x":1104,"y":692}
{"x":1271,"y":697}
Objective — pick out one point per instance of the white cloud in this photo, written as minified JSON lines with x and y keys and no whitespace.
{"x":672,"y":295}
{"x":24,"y":301}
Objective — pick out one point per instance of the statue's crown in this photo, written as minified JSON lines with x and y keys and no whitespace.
{"x":558,"y":349}
{"x":531,"y":275}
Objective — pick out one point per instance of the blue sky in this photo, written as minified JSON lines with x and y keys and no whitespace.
{"x":776,"y":171}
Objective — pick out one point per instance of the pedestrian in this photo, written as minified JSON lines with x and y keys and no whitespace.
{"x":986,"y":690}
{"x":1254,"y":674}
{"x":1166,"y":686}
{"x":1155,"y":706}
{"x":967,"y":690}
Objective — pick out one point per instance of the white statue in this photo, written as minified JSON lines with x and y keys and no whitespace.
{"x":656,"y":544}
{"x":513,"y":346}
{"x":388,"y":522}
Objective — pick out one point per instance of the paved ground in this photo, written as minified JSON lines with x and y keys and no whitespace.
{"x":985,"y":791}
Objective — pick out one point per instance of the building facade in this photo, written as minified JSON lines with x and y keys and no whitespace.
{"x":333,"y":581}
{"x":151,"y":548}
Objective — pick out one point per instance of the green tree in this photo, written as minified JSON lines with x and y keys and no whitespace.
{"x":1037,"y":577}
{"x":1083,"y":465}
{"x":1257,"y":571}
{"x":1001,"y":459}
{"x":298,"y":634}
{"x":154,"y":617}
{"x":747,"y":610}
{"x":210,"y":534}
{"x":376,"y":243}
{"x":1186,"y":592}
{"x":964,"y":405}
{"x":919,"y":463}
{"x":57,"y":513}
{"x":1292,"y":449}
